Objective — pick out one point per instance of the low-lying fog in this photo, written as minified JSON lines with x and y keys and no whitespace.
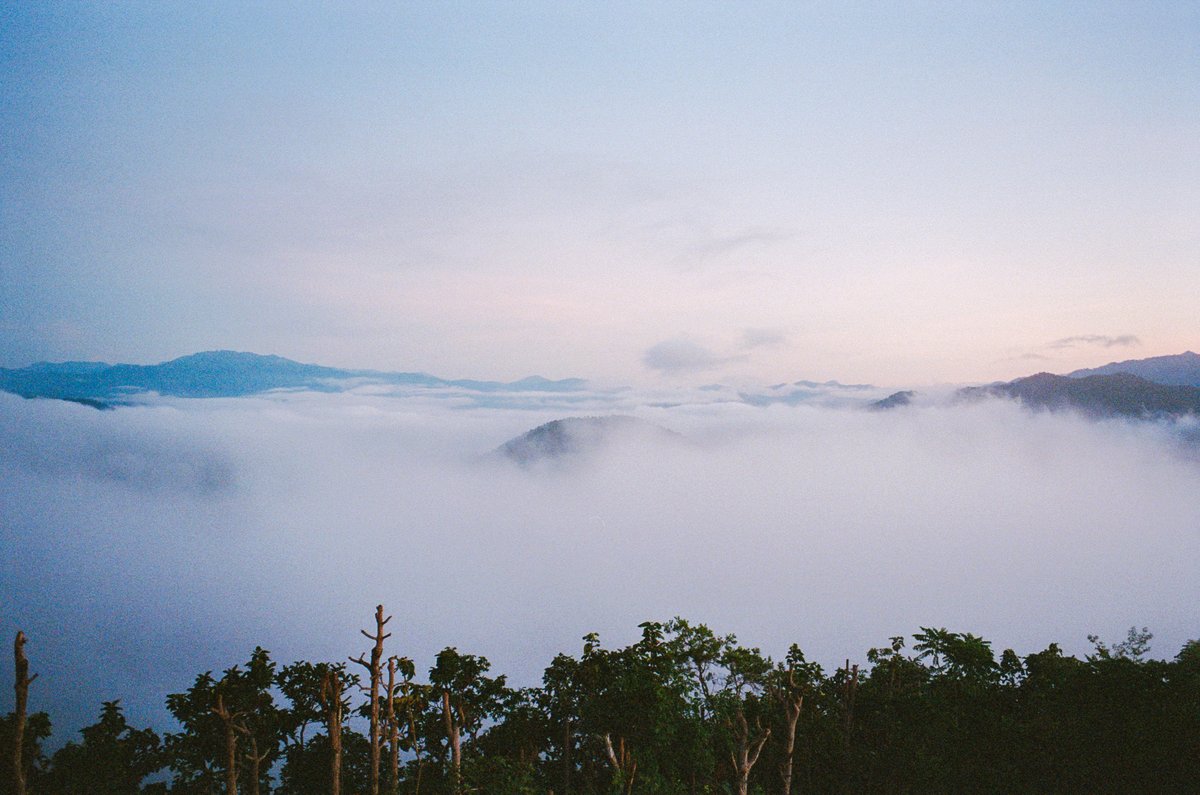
{"x":144,"y":545}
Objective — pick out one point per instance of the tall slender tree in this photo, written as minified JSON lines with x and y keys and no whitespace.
{"x":411,"y":711}
{"x":789,"y":684}
{"x":334,"y":706}
{"x":392,"y":723}
{"x":559,"y":697}
{"x":467,"y":697}
{"x":742,"y":705}
{"x":229,"y":723}
{"x":375,"y":669}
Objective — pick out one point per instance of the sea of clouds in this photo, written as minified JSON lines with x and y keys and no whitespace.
{"x":143,"y":545}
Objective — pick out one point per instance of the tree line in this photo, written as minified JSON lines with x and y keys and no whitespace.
{"x":681,"y":710}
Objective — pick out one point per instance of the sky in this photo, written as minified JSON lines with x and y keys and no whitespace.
{"x":634,"y":193}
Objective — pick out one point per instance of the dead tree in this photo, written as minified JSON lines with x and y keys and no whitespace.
{"x":21,"y":684}
{"x":375,"y":669}
{"x":331,"y":702}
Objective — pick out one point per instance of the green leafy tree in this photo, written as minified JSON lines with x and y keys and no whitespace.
{"x":229,"y":725}
{"x":932,"y":643}
{"x":681,"y":710}
{"x":969,"y":657}
{"x":468,"y":697}
{"x":508,"y":755}
{"x":300,"y":684}
{"x":792,"y":682}
{"x":743,"y":708}
{"x":560,"y":701}
{"x":1135,"y":646}
{"x":113,"y":758}
{"x":317,"y":696}
{"x":306,"y":767}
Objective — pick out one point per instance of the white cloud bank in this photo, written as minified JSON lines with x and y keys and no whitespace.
{"x":141,"y":546}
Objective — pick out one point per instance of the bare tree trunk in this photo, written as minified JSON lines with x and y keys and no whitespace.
{"x":375,"y":670}
{"x":849,"y":692}
{"x":747,"y":751}
{"x":331,"y":700}
{"x":21,"y":684}
{"x":622,"y":761}
{"x":453,"y":734}
{"x":230,"y":761}
{"x":793,"y":707}
{"x":568,"y":765}
{"x":393,"y":730}
{"x":256,"y":760}
{"x":228,"y":718}
{"x":414,"y":739}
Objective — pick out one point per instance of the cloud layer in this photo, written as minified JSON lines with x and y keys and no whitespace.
{"x":144,"y":545}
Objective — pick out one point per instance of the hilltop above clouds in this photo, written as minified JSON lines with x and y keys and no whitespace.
{"x":1181,"y":369}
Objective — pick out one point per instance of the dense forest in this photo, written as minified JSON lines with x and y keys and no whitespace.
{"x":682,"y":710}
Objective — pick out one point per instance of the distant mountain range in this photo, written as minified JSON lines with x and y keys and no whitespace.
{"x":227,"y":374}
{"x":1162,"y":386}
{"x":1182,"y":369}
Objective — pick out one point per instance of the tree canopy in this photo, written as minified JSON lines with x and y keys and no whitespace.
{"x":681,"y":710}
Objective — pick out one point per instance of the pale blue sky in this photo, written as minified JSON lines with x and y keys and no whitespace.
{"x":894,"y":193}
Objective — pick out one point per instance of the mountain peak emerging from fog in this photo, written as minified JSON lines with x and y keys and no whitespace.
{"x":1181,"y":369}
{"x":228,"y":374}
{"x":575,"y":436}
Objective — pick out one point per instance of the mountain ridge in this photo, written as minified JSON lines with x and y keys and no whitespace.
{"x":225,"y":373}
{"x":1119,"y":394}
{"x":1180,"y":369}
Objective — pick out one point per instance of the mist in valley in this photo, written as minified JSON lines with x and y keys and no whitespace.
{"x":146,"y":544}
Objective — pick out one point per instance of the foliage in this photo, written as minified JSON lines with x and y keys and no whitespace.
{"x":113,"y":758}
{"x":681,"y":710}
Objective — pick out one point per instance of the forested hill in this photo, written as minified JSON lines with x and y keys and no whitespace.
{"x":227,"y":374}
{"x":1116,"y":395}
{"x":682,"y":710}
{"x":570,"y":437}
{"x":1181,"y":369}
